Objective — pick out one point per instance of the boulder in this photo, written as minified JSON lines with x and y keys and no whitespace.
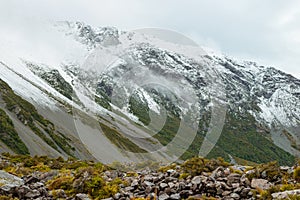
{"x":196,"y":180}
{"x":163,"y":196}
{"x":9,"y":182}
{"x":82,"y":197}
{"x":175,"y":197}
{"x":163,"y":185}
{"x":262,"y":184}
{"x":233,"y":178}
{"x":235,"y":196}
{"x":33,"y":194}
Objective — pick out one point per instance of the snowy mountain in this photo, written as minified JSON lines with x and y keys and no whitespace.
{"x":132,"y":95}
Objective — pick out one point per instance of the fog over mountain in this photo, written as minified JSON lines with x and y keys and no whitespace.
{"x":249,"y":30}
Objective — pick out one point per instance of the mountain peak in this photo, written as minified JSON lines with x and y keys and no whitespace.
{"x":139,"y":87}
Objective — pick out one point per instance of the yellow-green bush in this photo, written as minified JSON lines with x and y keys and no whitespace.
{"x":197,"y":165}
{"x":3,"y":197}
{"x":62,"y":181}
{"x":41,"y":167}
{"x":294,"y":197}
{"x":271,"y":170}
{"x":297,"y":174}
{"x":202,"y":198}
{"x":167,"y":167}
{"x":183,"y":175}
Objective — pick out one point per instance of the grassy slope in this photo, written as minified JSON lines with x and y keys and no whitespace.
{"x":119,"y":140}
{"x":29,"y":116}
{"x":9,"y":136}
{"x":239,"y":138}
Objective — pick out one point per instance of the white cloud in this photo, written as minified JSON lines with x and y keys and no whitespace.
{"x":266,"y":31}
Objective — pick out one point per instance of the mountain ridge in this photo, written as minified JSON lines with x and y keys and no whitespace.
{"x":265,"y":99}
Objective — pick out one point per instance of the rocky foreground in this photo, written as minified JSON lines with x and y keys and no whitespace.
{"x":23,"y":177}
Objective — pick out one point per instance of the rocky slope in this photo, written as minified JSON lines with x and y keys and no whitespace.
{"x":44,"y":178}
{"x":136,"y":89}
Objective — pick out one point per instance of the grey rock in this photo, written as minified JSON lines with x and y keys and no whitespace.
{"x":170,"y":171}
{"x":163,"y":185}
{"x":171,"y":185}
{"x":233,"y":178}
{"x":148,"y":178}
{"x":185,"y":193}
{"x":226,"y":193}
{"x":21,"y":191}
{"x":245,"y":181}
{"x":107,"y":173}
{"x":152,"y":196}
{"x":287,"y":169}
{"x":264,"y":174}
{"x":225,"y":186}
{"x":245,"y":192}
{"x":235,"y":185}
{"x":117,"y":196}
{"x":129,"y":188}
{"x":82,"y":197}
{"x":175,"y":196}
{"x":219,"y":172}
{"x":38,"y":185}
{"x":238,"y":189}
{"x":8,"y":187}
{"x":196,"y":180}
{"x":163,"y":196}
{"x":260,"y":184}
{"x":148,"y":189}
{"x":9,"y":181}
{"x":168,"y":191}
{"x":148,"y":183}
{"x":33,"y":194}
{"x":252,"y":171}
{"x":235,"y":196}
{"x":219,"y":191}
{"x":48,"y":175}
{"x":181,"y":186}
{"x":31,"y":179}
{"x":286,"y":194}
{"x":134,"y":183}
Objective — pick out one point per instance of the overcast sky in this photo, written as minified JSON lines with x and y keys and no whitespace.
{"x":264,"y":31}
